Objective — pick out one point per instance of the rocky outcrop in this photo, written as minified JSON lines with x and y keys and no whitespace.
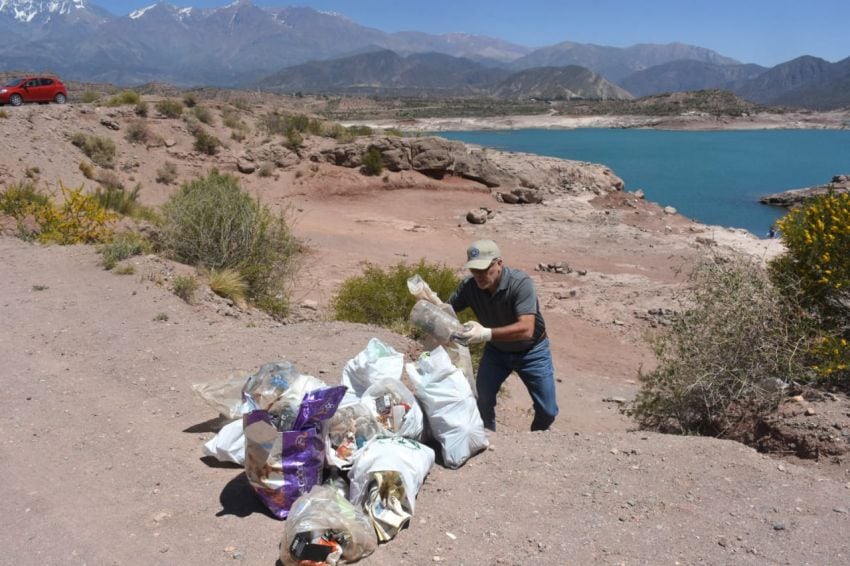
{"x":524,"y":176}
{"x":839,"y":184}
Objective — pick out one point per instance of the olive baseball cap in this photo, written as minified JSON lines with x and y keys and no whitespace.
{"x":481,"y":253}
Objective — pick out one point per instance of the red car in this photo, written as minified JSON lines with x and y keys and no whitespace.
{"x":33,"y":89}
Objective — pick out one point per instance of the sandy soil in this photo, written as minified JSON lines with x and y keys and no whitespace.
{"x":102,"y":434}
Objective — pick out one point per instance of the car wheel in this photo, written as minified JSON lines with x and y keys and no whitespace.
{"x":59,"y":98}
{"x":16,"y":100}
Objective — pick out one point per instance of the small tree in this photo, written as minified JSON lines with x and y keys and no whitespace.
{"x":373,"y":163}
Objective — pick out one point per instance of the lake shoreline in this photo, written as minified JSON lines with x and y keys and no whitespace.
{"x":834,"y":120}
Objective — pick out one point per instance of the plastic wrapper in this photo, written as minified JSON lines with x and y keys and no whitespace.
{"x":395,"y":408}
{"x":449,"y":405}
{"x":376,"y":362}
{"x":385,"y":479}
{"x":225,"y":396}
{"x":228,"y":445}
{"x":420,"y":289}
{"x":323,"y":525}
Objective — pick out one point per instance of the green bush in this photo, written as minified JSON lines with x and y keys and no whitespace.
{"x":122,"y":246}
{"x":815,"y":272}
{"x":725,"y":361}
{"x":141,"y":109}
{"x":167,"y":174}
{"x":373,"y":163}
{"x":124,"y":98}
{"x":138,"y":132}
{"x":212,"y":222}
{"x":89,"y":96}
{"x":17,"y":198}
{"x":206,"y":142}
{"x":381,"y":296}
{"x":185,"y":287}
{"x":203,"y":114}
{"x":99,"y":149}
{"x":190,"y":100}
{"x":169,"y":108}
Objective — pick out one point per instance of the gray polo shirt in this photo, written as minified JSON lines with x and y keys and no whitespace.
{"x":514,"y":296}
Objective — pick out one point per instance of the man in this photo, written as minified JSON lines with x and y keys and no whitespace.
{"x":505,"y":302}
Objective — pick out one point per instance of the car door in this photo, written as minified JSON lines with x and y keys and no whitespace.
{"x":46,"y":89}
{"x":31,"y":91}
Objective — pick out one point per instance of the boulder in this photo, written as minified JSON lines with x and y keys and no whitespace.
{"x":245,"y":165}
{"x":477,"y":216}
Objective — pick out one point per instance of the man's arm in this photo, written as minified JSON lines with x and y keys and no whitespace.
{"x":522,"y":329}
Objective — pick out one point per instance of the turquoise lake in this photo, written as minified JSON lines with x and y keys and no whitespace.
{"x":713,"y":177}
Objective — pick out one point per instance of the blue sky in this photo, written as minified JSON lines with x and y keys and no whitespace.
{"x":766,"y":32}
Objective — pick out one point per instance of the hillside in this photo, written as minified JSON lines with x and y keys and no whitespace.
{"x":98,"y":366}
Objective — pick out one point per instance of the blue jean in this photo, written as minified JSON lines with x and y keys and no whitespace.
{"x":537,"y":372}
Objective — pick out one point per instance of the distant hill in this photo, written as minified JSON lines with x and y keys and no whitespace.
{"x":434,"y":74}
{"x":807,"y":82}
{"x":559,"y":83}
{"x":616,"y":63}
{"x":687,"y":74}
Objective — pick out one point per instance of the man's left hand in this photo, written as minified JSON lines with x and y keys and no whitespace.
{"x":474,"y":333}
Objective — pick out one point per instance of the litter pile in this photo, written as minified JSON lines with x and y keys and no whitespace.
{"x":343,"y":463}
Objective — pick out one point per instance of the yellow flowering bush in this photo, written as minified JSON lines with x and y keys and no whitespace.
{"x":79,"y":219}
{"x":817,"y":270}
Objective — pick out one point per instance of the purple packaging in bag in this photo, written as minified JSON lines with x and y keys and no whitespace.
{"x":282,"y":465}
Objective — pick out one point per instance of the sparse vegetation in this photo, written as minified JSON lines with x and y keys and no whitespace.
{"x":206,"y":142}
{"x":123,"y":246}
{"x":373,"y":163}
{"x":124,"y":98}
{"x":99,"y":149}
{"x":141,"y":109}
{"x":211,"y":222}
{"x":266,"y":169}
{"x":203,"y":114}
{"x":230,"y":284}
{"x":381,"y":296}
{"x":87,"y":169}
{"x":169,"y":108}
{"x":78,"y":219}
{"x":89,"y":96}
{"x":167,"y":174}
{"x":190,"y":100}
{"x":138,"y":132}
{"x":18,"y":198}
{"x":161,"y":317}
{"x":3,"y":114}
{"x":185,"y":287}
{"x":724,"y":362}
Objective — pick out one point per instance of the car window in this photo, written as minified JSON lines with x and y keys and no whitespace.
{"x":33,"y":82}
{"x":46,"y":82}
{"x":13,"y":82}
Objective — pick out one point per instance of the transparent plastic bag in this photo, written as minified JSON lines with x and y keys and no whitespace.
{"x":224,"y":396}
{"x":323,"y":522}
{"x":351,"y":427}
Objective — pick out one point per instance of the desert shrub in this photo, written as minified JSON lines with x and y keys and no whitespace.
{"x":185,"y":287}
{"x":190,"y":100}
{"x":123,"y":98}
{"x":169,"y":108}
{"x":32,"y":172}
{"x":3,"y":114}
{"x":212,"y":222}
{"x":167,"y":174}
{"x":99,"y":149}
{"x":359,"y":130}
{"x":87,"y":169}
{"x":373,"y":163}
{"x":230,"y":284}
{"x":89,"y":96}
{"x":381,"y":296}
{"x":206,"y":142}
{"x":725,"y":361}
{"x":78,"y":219}
{"x":815,"y":272}
{"x":203,"y":114}
{"x":294,"y":139}
{"x":141,"y":109}
{"x":395,"y":132}
{"x":138,"y":132}
{"x":18,"y":198}
{"x":122,"y":246}
{"x":266,"y":169}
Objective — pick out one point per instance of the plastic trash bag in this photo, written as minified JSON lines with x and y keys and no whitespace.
{"x":377,"y":361}
{"x":420,"y":289}
{"x":395,"y":408}
{"x":449,"y":405}
{"x":284,"y":440}
{"x":228,"y":445}
{"x":351,"y":427}
{"x":326,"y":528}
{"x":385,"y":479}
{"x":225,"y":397}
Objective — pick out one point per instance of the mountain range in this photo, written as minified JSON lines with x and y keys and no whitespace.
{"x":301,"y":49}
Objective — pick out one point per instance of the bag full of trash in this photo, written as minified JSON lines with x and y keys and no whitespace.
{"x":224,"y":396}
{"x":395,"y":408}
{"x":385,"y":478}
{"x":449,"y":406}
{"x":228,"y":445}
{"x":325,"y":528}
{"x":284,"y":440}
{"x":377,"y":361}
{"x":351,"y":427}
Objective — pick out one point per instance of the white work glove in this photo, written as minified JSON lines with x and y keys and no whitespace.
{"x":474,"y":333}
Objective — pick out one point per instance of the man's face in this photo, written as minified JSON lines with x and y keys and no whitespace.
{"x":488,"y":279}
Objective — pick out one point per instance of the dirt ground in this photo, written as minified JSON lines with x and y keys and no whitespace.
{"x":102,"y":434}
